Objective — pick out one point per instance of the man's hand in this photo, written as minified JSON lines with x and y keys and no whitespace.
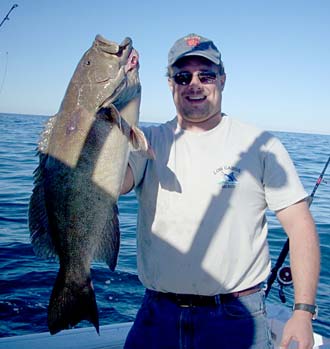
{"x":298,"y":328}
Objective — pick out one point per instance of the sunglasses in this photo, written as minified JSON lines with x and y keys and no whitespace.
{"x":184,"y":77}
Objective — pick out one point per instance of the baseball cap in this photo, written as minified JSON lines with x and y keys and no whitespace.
{"x":194,"y":45}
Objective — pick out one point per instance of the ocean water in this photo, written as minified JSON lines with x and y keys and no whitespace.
{"x":26,"y":281}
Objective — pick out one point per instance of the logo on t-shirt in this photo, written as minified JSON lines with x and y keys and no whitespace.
{"x":227,"y":176}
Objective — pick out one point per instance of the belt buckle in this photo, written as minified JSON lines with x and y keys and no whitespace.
{"x":183,"y":303}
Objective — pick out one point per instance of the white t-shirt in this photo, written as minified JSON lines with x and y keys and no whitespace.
{"x":201,"y":222}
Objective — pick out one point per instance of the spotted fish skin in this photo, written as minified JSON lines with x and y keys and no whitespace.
{"x":83,"y":153}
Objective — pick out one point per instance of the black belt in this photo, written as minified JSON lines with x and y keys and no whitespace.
{"x":192,"y":300}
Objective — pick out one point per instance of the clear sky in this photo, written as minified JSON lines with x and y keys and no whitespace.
{"x":276,"y":54}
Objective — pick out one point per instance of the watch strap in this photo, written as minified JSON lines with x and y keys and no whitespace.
{"x":311,"y":308}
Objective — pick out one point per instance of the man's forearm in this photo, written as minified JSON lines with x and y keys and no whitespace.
{"x":305,"y":265}
{"x":128,"y":181}
{"x":304,"y":250}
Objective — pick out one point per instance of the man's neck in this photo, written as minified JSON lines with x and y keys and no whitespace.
{"x":200,"y":126}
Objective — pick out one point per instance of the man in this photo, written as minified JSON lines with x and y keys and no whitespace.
{"x":202,"y":249}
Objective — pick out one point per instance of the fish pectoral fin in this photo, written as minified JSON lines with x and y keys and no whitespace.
{"x":117,"y":119}
{"x":135,"y":136}
{"x":111,"y":113}
{"x":141,"y":144}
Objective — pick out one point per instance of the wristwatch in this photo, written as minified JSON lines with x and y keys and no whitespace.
{"x":313,"y":309}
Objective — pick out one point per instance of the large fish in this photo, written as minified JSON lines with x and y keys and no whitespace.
{"x":83,"y":158}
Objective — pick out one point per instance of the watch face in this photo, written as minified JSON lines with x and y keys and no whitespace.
{"x":316,"y":312}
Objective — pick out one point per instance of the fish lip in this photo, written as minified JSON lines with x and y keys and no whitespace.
{"x":127,"y":42}
{"x":112,"y":47}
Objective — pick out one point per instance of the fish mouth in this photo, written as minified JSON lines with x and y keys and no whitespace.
{"x":130,"y":86}
{"x":124,"y":50}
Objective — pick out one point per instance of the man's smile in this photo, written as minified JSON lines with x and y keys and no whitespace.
{"x":196,"y":99}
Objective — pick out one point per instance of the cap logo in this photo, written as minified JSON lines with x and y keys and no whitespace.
{"x":193,"y":41}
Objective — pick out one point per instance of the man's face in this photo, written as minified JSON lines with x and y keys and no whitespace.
{"x":197,"y":101}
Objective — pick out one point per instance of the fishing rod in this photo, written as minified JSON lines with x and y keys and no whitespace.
{"x":7,"y":15}
{"x":285,"y":248}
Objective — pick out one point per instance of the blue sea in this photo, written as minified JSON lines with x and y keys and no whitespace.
{"x":26,"y":281}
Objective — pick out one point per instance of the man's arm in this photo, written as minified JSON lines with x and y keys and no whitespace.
{"x":298,"y":223}
{"x":128,"y":183}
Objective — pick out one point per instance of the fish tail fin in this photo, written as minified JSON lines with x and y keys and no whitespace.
{"x":70,"y":303}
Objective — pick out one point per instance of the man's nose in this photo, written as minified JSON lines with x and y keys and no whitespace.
{"x":195,"y":84}
{"x":195,"y":79}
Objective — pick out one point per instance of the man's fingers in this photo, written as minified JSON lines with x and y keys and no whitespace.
{"x":285,"y":342}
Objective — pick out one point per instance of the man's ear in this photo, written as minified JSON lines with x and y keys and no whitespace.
{"x":222,"y":81}
{"x":170,"y":84}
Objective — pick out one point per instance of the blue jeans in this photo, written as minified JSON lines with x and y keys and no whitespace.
{"x":240,"y":323}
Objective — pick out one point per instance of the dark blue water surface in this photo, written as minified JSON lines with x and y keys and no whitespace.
{"x":26,"y":281}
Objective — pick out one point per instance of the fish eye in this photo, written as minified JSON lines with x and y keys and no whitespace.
{"x":88,"y":63}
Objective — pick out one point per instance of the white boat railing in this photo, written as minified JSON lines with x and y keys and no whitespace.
{"x":113,"y":336}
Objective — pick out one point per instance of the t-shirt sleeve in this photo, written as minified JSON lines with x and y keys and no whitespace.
{"x":281,"y":181}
